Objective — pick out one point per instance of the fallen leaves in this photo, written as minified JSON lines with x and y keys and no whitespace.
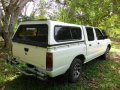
{"x":2,"y":87}
{"x":115,"y":57}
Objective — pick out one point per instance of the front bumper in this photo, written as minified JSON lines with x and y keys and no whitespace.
{"x":27,"y":69}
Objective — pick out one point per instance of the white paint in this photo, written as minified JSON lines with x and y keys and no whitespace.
{"x":63,"y":55}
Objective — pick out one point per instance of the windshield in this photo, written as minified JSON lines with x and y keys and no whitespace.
{"x":32,"y":34}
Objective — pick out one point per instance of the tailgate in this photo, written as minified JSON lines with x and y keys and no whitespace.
{"x":30,"y":44}
{"x":34,"y":55}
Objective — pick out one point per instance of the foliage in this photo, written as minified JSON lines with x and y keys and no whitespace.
{"x":37,"y":13}
{"x":9,"y":12}
{"x":98,"y":13}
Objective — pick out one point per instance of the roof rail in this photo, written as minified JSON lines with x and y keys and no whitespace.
{"x":34,"y":20}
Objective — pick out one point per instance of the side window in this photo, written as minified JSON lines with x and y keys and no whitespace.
{"x":62,"y":33}
{"x":67,"y":33}
{"x":76,"y":33}
{"x":99,"y":34}
{"x":90,"y":33}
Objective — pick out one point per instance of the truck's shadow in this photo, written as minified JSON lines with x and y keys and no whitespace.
{"x":31,"y":83}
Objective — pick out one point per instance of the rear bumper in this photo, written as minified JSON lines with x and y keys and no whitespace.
{"x":27,"y":70}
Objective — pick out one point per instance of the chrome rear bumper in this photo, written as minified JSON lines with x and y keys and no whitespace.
{"x":25,"y":69}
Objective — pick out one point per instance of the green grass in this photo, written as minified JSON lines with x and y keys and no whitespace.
{"x":116,"y":45}
{"x":97,"y":74}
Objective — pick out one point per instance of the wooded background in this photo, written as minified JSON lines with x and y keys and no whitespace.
{"x":97,"y":75}
{"x":104,"y":14}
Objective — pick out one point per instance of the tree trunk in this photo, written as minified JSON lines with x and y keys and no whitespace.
{"x":8,"y":35}
{"x":7,"y":40}
{"x":6,"y":32}
{"x":11,"y":13}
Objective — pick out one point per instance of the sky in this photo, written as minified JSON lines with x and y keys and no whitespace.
{"x":30,"y":5}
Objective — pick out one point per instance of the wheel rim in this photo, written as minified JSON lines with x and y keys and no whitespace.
{"x":76,"y":71}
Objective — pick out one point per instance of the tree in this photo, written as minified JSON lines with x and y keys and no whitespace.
{"x":10,"y":10}
{"x":38,"y":10}
{"x":99,"y":13}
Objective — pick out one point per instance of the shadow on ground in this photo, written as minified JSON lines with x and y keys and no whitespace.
{"x":97,"y":74}
{"x":23,"y":82}
{"x":31,"y":83}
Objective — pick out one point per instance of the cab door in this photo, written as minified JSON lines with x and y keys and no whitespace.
{"x":101,"y":44}
{"x":91,"y":43}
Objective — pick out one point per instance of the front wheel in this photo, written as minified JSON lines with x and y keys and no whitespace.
{"x":106,"y":54}
{"x":74,"y":72}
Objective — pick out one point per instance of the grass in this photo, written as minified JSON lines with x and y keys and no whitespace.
{"x":97,"y":74}
{"x":116,"y":45}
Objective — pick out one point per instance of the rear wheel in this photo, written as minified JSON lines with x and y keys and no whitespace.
{"x":74,"y":72}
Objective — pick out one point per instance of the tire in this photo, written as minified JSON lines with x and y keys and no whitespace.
{"x":75,"y":71}
{"x":106,"y":54}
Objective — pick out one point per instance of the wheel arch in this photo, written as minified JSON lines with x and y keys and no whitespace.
{"x":81,"y":57}
{"x":109,"y":46}
{"x":68,"y":72}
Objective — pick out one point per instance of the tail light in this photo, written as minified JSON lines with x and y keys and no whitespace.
{"x":49,"y":61}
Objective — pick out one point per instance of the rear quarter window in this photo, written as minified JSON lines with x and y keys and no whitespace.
{"x":67,"y":33}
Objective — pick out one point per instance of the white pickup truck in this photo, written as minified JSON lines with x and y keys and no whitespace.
{"x":46,"y":48}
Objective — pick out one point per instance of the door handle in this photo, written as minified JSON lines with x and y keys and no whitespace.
{"x":98,"y":43}
{"x":26,"y":49}
{"x":90,"y":44}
